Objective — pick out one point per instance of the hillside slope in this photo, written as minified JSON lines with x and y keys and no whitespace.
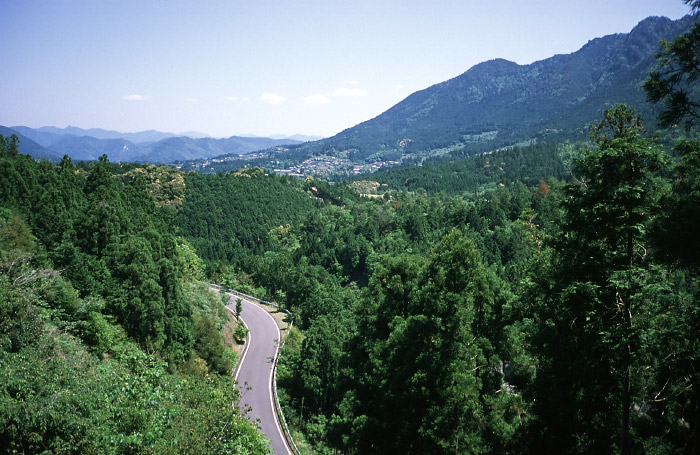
{"x":498,"y":102}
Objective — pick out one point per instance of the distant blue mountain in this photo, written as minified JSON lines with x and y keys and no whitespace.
{"x":146,"y":146}
{"x":47,"y":135}
{"x":184,"y":148}
{"x":299,"y":137}
{"x":86,"y":148}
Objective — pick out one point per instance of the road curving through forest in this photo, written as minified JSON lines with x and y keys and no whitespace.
{"x":255,"y":372}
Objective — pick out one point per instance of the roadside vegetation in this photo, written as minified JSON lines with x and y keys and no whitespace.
{"x":107,"y":343}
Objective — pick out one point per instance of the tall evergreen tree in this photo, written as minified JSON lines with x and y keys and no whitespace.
{"x":595,"y":312}
{"x":416,"y":351}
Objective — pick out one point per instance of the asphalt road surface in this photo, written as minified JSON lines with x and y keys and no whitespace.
{"x":254,"y":375}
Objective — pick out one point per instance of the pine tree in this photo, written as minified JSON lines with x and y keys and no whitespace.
{"x":597,"y":304}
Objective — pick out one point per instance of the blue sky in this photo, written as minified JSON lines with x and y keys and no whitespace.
{"x":267,"y":67}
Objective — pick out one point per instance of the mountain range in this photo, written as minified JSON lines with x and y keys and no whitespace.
{"x":53,"y":143}
{"x":500,"y":103}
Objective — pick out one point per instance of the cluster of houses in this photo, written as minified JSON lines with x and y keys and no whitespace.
{"x":330,"y":165}
{"x":323,"y":165}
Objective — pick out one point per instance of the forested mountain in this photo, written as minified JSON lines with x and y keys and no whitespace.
{"x":31,"y":147}
{"x":86,"y":148}
{"x":495,"y":104}
{"x":528,"y":165}
{"x":146,"y":146}
{"x":492,"y":105}
{"x":498,"y":102}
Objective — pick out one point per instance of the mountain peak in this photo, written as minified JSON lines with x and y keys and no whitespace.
{"x":495,"y":65}
{"x":498,"y":103}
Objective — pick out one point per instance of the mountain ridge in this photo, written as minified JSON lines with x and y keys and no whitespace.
{"x":52,"y":143}
{"x":499,"y":103}
{"x":581,"y":74}
{"x":29,"y":146}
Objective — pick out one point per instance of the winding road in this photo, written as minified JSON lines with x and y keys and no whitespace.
{"x":255,"y":372}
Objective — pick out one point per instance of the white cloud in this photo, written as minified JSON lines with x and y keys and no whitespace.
{"x":192,"y":100}
{"x":318,"y":98}
{"x":327,"y":97}
{"x":232,"y":98}
{"x":273,"y":98}
{"x":136,"y":97}
{"x":348,"y":92}
{"x":399,"y":86}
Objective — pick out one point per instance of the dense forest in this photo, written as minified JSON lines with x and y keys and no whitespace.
{"x":557,"y":317}
{"x":232,"y":213}
{"x":520,"y":309}
{"x":108,"y":344}
{"x":536,"y":299}
{"x":527,"y":164}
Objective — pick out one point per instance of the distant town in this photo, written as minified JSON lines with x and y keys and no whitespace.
{"x":320,"y":166}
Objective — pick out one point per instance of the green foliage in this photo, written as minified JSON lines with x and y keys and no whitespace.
{"x":459,"y":175}
{"x":240,"y":333}
{"x":611,"y":306}
{"x":19,"y":323}
{"x":100,"y":334}
{"x":239,"y":307}
{"x":229,"y":216}
{"x":423,"y":347}
{"x":556,"y":314}
{"x":57,"y":397}
{"x":15,"y":234}
{"x":617,"y":192}
{"x":675,"y":82}
{"x":166,"y":184}
{"x":110,"y":240}
{"x":675,"y":233}
{"x":209,"y":345}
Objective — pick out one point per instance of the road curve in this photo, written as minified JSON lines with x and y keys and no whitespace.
{"x":254,"y":374}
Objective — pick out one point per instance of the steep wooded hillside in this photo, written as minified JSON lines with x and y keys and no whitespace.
{"x":498,"y":102}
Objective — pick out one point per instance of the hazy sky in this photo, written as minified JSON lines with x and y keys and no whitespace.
{"x":268,"y":67}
